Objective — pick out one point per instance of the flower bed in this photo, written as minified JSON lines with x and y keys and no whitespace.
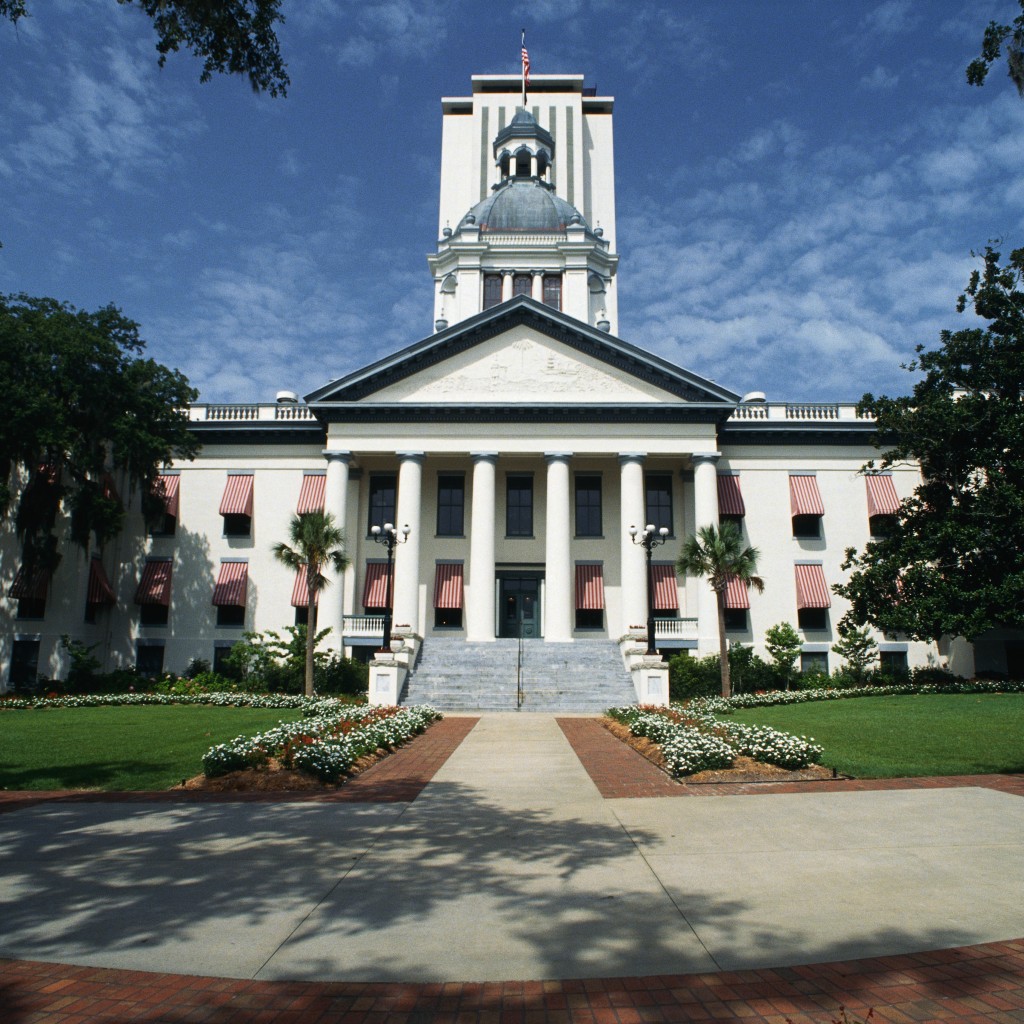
{"x":694,"y":741}
{"x":721,"y":705}
{"x":325,"y":745}
{"x":310,"y":705}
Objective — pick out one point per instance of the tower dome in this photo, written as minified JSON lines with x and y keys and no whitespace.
{"x":522,"y":204}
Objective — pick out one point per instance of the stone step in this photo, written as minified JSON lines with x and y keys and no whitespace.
{"x":456,"y":675}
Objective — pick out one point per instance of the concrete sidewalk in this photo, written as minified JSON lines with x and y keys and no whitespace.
{"x":509,"y":865}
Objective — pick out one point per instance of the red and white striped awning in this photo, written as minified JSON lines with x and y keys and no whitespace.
{"x":375,"y":589}
{"x":229,"y":590}
{"x":736,"y":595}
{"x":155,"y":585}
{"x":100,"y":590}
{"x":237,"y":500}
{"x":300,"y":595}
{"x":590,"y":587}
{"x":33,"y":588}
{"x":165,"y":487}
{"x":448,"y":585}
{"x":311,"y":497}
{"x":811,"y":588}
{"x":804,"y":498}
{"x":730,"y":498}
{"x":663,"y":583}
{"x":882,"y":497}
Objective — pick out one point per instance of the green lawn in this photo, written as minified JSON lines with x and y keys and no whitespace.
{"x":118,"y":748}
{"x":927,"y":734}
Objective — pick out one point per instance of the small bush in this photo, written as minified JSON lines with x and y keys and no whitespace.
{"x":694,"y":677}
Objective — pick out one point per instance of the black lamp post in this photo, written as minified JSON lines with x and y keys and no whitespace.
{"x":389,"y":537}
{"x":649,"y":539}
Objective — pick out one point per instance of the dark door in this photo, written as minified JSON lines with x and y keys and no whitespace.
{"x":520,"y":607}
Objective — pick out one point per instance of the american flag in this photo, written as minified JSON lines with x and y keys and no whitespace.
{"x":526,"y":66}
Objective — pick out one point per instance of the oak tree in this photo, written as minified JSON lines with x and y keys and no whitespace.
{"x":88,"y":420}
{"x":953,"y":563}
{"x":235,"y":37}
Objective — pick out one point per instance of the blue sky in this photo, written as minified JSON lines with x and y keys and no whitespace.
{"x":799,"y":183}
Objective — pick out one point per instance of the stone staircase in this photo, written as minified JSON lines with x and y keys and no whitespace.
{"x":456,"y":675}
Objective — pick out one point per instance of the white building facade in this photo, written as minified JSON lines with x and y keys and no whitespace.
{"x":519,"y":442}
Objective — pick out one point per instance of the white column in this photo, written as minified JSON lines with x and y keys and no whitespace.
{"x":330,"y":608}
{"x":538,"y":285}
{"x":634,"y":564}
{"x":559,"y":612}
{"x":407,"y":555}
{"x":480,"y":586}
{"x":705,"y":506}
{"x":506,"y":285}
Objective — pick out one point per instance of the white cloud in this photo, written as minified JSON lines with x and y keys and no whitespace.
{"x":880,"y":80}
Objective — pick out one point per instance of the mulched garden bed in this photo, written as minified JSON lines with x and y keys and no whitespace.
{"x":744,"y":769}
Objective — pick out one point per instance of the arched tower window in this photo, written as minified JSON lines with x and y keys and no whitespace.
{"x":522,"y":164}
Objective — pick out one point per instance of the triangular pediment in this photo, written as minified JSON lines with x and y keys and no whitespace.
{"x":522,"y":352}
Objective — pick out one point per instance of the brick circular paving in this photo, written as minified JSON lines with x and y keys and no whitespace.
{"x":972,"y":984}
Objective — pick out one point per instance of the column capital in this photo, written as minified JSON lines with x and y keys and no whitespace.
{"x":625,"y":457}
{"x":712,"y":457}
{"x":336,"y":455}
{"x":484,"y":456}
{"x":505,"y":272}
{"x":411,"y":456}
{"x":537,"y":273}
{"x":556,"y":456}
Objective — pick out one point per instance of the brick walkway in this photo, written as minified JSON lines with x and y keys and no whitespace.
{"x":975,"y":985}
{"x":972,"y":985}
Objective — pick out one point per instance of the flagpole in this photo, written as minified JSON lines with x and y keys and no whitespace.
{"x":524,"y":60}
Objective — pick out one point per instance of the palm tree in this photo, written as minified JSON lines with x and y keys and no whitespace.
{"x":315,"y":543}
{"x":719,"y":555}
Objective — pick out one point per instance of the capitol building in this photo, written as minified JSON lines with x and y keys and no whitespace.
{"x":519,"y":442}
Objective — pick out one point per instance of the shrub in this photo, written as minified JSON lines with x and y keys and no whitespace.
{"x":783,"y":644}
{"x":337,"y":675}
{"x":693,"y":677}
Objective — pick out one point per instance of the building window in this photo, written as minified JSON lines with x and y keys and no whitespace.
{"x":588,"y":506}
{"x":589,"y":595}
{"x":736,"y":620}
{"x":522,"y":284}
{"x":807,"y":527}
{"x":153,"y":594}
{"x":814,"y":619}
{"x":302,"y":615}
{"x":153,"y":614}
{"x":24,"y":664}
{"x":32,"y":608}
{"x":814,"y":661}
{"x":805,"y":505}
{"x":451,"y":505}
{"x":519,"y":506}
{"x":220,"y":660}
{"x":448,"y":595}
{"x":492,"y":290}
{"x":893,"y":663}
{"x":590,"y":618}
{"x":236,"y":505}
{"x":382,"y":500}
{"x":553,"y":290}
{"x":882,"y":525}
{"x":230,"y":615}
{"x":658,"y":501}
{"x":448,"y":618}
{"x":166,"y":492}
{"x":149,"y":659}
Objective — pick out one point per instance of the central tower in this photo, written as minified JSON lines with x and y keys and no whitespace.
{"x":527,"y":200}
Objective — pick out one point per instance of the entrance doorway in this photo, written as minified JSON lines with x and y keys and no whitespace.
{"x":520,"y":607}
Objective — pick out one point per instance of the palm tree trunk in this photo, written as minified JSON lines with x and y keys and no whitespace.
{"x":723,"y":648}
{"x":310,"y":634}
